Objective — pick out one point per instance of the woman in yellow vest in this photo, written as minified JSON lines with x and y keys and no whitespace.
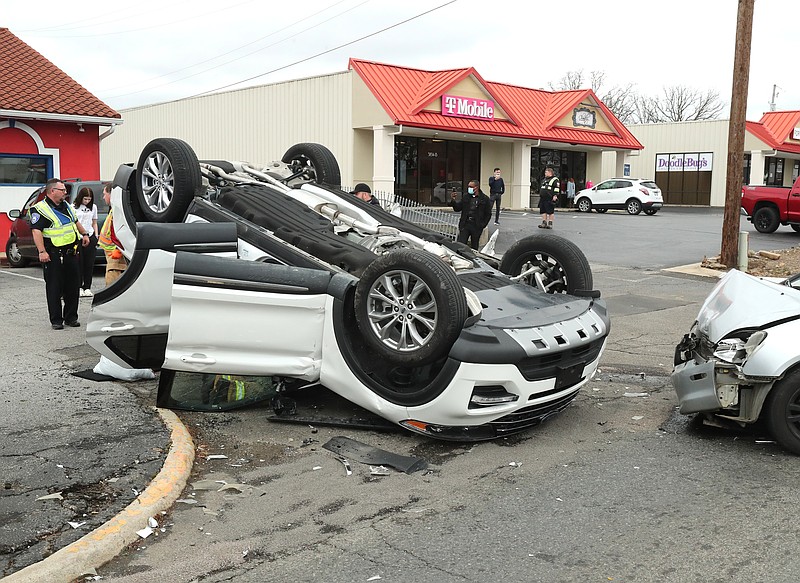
{"x":57,"y":235}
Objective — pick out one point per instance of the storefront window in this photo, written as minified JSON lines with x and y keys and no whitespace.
{"x":23,"y":169}
{"x":685,"y":178}
{"x":566,"y":163}
{"x":746,"y":170}
{"x":428,"y":170}
{"x":773,"y":171}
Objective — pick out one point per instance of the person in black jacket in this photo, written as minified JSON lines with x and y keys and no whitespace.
{"x":496,"y":190}
{"x":476,"y":210}
{"x":363,"y":192}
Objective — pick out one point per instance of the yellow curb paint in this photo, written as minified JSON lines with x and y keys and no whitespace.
{"x":107,"y":541}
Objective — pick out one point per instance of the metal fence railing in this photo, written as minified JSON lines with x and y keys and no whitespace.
{"x":436,"y":219}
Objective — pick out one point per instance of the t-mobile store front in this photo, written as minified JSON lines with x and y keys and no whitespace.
{"x":445,"y":128}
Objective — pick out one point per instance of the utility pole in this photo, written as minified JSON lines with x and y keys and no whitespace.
{"x":733,"y":182}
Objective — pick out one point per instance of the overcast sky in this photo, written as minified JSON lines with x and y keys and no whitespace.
{"x":150,"y":51}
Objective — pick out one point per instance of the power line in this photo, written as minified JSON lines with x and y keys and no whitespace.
{"x":241,"y":47}
{"x":323,"y":52}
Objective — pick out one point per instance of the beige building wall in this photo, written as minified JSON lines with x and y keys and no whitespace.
{"x":256,"y":124}
{"x":683,"y":137}
{"x":496,"y":154}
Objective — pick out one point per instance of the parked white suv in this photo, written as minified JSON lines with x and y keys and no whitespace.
{"x":631,"y":194}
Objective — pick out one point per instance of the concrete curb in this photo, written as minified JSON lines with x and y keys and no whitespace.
{"x":106,"y":542}
{"x":696,"y":269}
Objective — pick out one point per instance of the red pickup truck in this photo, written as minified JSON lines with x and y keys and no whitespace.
{"x":767,"y":207}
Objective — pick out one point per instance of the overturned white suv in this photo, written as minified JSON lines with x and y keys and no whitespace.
{"x":250,"y":281}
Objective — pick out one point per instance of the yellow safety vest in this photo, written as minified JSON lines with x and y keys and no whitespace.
{"x":104,"y":240}
{"x":59,"y":234}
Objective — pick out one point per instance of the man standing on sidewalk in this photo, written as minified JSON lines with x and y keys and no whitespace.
{"x":496,"y":190}
{"x":548,"y":195}
{"x":57,"y":233}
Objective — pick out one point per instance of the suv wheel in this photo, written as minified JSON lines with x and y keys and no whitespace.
{"x":633,"y":206}
{"x":167,"y":179}
{"x":410,"y":307}
{"x":312,"y":162}
{"x":553,"y":264}
{"x":584,"y":205}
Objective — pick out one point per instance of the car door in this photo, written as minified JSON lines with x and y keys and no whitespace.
{"x":623,"y":190}
{"x":130,"y":318}
{"x":22,"y":227}
{"x":237,"y":317}
{"x":604,"y":193}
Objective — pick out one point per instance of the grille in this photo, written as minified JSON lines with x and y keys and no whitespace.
{"x":549,"y":365}
{"x":530,"y":416}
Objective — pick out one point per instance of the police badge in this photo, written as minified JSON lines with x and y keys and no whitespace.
{"x":35,"y":217}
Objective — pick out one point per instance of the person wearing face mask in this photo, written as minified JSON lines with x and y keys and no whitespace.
{"x":476,"y":211}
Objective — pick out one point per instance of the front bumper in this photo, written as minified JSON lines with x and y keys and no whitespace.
{"x":696,"y":387}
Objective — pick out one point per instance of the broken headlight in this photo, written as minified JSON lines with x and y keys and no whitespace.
{"x":737,"y":349}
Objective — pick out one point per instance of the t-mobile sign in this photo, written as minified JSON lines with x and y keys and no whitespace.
{"x":455,"y":106}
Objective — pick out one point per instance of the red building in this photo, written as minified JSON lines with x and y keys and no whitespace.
{"x":50,"y":126}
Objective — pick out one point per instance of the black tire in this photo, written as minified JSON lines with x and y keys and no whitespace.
{"x":650,"y":212}
{"x":782,"y":411}
{"x":633,"y":206}
{"x":167,"y":179}
{"x":583,"y":205}
{"x":559,"y":265}
{"x":795,"y":228}
{"x":601,"y":210}
{"x":765,"y":219}
{"x":388,"y":311}
{"x":313,"y":162}
{"x":15,"y":258}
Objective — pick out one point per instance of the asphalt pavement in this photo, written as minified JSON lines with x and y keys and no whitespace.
{"x":83,"y":464}
{"x":86,"y":465}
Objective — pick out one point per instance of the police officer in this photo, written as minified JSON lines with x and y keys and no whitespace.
{"x":57,"y":233}
{"x":548,"y":195}
{"x":476,"y":210}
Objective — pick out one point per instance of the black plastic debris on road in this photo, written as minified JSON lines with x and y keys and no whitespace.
{"x":367,"y":454}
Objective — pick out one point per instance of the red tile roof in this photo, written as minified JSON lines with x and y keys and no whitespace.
{"x":404,"y":93}
{"x":774,"y":128}
{"x":28,"y":79}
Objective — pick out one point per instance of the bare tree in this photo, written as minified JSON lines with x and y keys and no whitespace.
{"x":571,"y":80}
{"x":678,"y":103}
{"x":620,"y":100}
{"x":681,"y":103}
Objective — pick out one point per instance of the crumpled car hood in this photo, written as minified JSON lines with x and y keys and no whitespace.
{"x":743,"y":301}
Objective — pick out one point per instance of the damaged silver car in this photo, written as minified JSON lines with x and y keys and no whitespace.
{"x":741,"y":359}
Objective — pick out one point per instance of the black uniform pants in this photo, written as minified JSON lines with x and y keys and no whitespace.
{"x":86,"y":256}
{"x":470,"y":231}
{"x":497,"y":199}
{"x":62,"y":280}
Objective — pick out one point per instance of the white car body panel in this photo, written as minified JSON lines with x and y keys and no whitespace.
{"x":264,"y":334}
{"x":123,"y":315}
{"x":742,"y":301}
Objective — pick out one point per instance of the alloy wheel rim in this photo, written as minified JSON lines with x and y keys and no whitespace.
{"x":158,"y":181}
{"x":402,"y":311}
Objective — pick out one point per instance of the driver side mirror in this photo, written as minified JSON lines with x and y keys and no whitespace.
{"x":14,"y":214}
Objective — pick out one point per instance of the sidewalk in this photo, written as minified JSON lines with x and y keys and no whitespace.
{"x":84,"y":464}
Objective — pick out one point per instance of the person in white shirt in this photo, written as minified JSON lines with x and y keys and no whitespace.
{"x":86,"y":211}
